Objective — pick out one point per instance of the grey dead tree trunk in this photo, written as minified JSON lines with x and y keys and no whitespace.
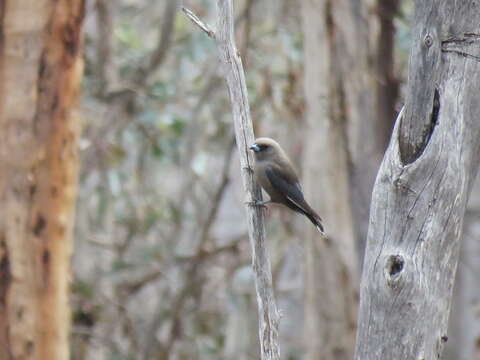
{"x":422,"y":188}
{"x":268,"y":314}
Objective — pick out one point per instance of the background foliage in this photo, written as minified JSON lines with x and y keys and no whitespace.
{"x":161,"y":262}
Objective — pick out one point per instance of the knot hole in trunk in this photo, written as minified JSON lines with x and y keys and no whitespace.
{"x":394,"y":266}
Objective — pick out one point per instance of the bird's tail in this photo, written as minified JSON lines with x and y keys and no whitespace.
{"x":317,"y":221}
{"x":305,"y":209}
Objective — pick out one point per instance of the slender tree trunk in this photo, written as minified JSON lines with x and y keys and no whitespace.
{"x":338,"y":112}
{"x":268,"y":315}
{"x":422,"y":189}
{"x":387,"y":84}
{"x":371,"y":79}
{"x":40,"y":71}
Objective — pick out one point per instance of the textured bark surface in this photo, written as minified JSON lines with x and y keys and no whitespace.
{"x":422,"y":189}
{"x":334,"y":118}
{"x":268,"y":315}
{"x":40,"y":70}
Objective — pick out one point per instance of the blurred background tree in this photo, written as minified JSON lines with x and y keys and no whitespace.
{"x":40,"y":76}
{"x":161,"y":263}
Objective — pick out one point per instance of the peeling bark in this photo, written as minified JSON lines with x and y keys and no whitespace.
{"x":40,"y":71}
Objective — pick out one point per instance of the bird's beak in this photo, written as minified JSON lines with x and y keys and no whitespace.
{"x":255,"y":148}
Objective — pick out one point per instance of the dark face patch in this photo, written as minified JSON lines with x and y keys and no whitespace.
{"x":263,"y":151}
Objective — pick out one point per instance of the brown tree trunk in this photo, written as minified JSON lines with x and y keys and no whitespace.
{"x":371,"y":79}
{"x":350,"y":106}
{"x":387,"y":84}
{"x":336,"y":76}
{"x":40,"y":71}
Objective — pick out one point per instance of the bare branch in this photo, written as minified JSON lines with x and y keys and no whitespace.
{"x":104,"y":46}
{"x":132,"y":286}
{"x":159,"y":54}
{"x":165,"y":37}
{"x":234,"y":74}
{"x":218,"y":196}
{"x":208,"y":254}
{"x":194,"y":18}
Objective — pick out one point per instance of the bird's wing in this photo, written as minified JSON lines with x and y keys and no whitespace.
{"x":288,"y":187}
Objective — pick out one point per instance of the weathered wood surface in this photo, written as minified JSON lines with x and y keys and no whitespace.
{"x":231,"y":62}
{"x":421,"y":190}
{"x":267,"y":311}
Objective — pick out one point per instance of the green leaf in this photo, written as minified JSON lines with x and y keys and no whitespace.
{"x":83,"y":288}
{"x":159,"y":90}
{"x":126,"y":35}
{"x":177,"y":125}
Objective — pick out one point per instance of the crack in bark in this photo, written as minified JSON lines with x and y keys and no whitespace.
{"x":462,"y":53}
{"x":427,"y":132}
{"x":383,"y":237}
{"x":468,"y":38}
{"x":5,"y":274}
{"x":423,"y":189}
{"x":448,"y":217}
{"x":429,"y":214}
{"x":5,"y":282}
{"x":456,"y":45}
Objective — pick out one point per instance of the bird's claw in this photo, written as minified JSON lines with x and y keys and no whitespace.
{"x":262,"y":204}
{"x":248,"y":168}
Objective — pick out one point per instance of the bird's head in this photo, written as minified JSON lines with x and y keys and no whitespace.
{"x":265,"y":148}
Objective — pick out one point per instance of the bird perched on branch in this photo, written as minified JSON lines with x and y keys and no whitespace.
{"x":276,"y":175}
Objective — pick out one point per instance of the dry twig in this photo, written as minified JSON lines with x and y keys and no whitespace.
{"x":224,"y":37}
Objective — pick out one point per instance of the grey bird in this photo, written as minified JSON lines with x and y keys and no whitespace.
{"x":276,"y":175}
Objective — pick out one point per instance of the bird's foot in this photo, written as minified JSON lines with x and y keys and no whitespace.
{"x":262,"y":204}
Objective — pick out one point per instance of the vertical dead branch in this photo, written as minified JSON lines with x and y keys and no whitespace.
{"x":235,"y":77}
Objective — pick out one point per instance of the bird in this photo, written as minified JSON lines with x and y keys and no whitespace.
{"x":275,"y":173}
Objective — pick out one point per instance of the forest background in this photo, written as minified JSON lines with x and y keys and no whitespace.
{"x":161,"y":261}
